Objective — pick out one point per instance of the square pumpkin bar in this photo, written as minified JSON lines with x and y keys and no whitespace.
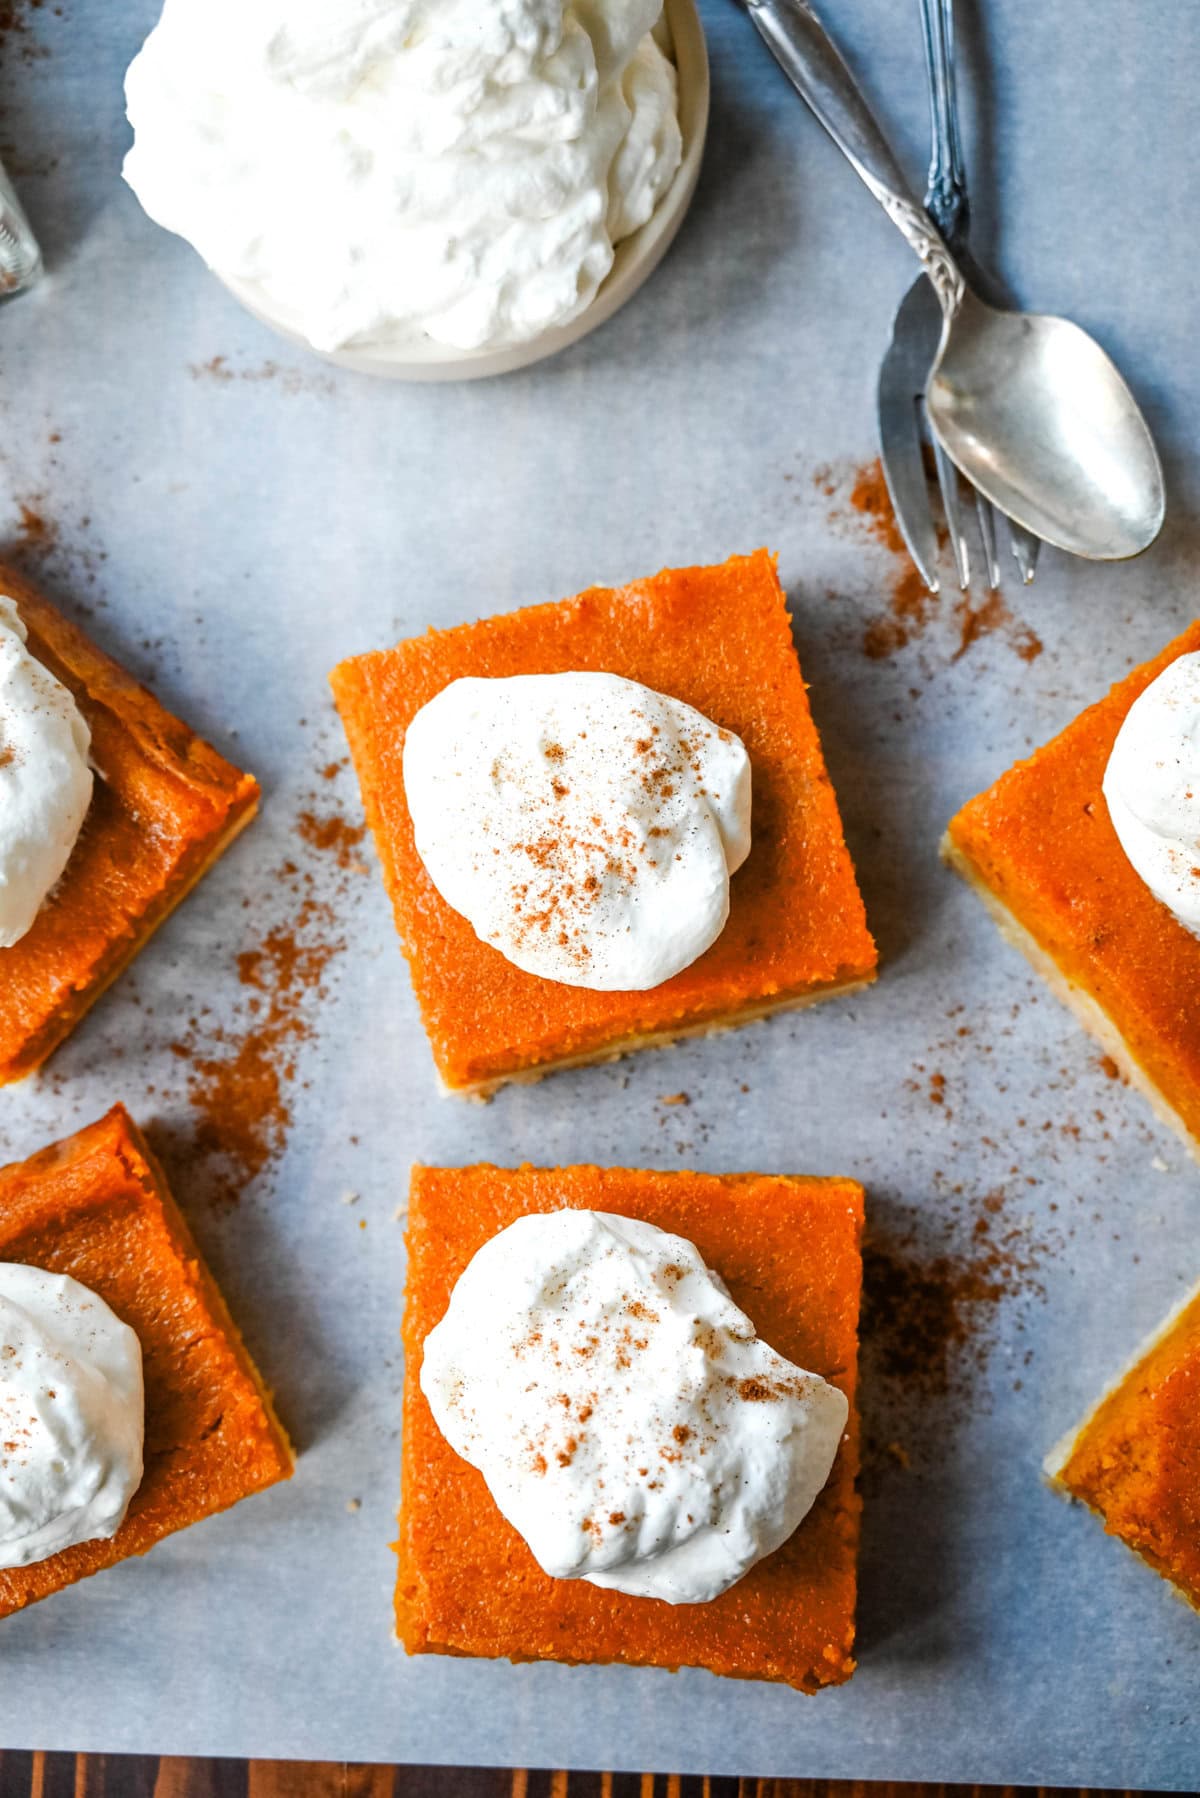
{"x":164,"y":807}
{"x":1135,"y":1459}
{"x":720,"y":640}
{"x":789,"y":1249}
{"x":1040,"y":850}
{"x":96,"y":1206}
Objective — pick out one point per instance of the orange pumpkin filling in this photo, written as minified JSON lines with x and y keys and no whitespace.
{"x":717,"y":638}
{"x":1136,"y":1460}
{"x":789,"y":1250}
{"x":1041,"y":848}
{"x":165,"y":806}
{"x":96,"y":1207}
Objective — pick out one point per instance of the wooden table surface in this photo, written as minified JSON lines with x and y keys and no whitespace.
{"x":143,"y":1776}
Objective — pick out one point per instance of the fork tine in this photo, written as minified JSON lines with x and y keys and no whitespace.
{"x":987,"y":531}
{"x":947,"y":476}
{"x":904,"y":466}
{"x":1025,"y":548}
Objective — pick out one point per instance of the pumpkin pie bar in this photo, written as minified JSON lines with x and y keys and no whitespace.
{"x":164,"y":807}
{"x":96,"y":1207}
{"x":1040,"y":849}
{"x":789,"y":1250}
{"x":1135,"y":1459}
{"x":718,"y":639}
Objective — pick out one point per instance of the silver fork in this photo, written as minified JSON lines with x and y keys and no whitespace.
{"x":20,"y":258}
{"x":916,"y":332}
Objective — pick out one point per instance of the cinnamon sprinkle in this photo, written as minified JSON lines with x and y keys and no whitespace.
{"x":870,"y":498}
{"x":933,"y":1295}
{"x":333,"y":832}
{"x":911,"y":608}
{"x":36,"y":532}
{"x":289,"y":380}
{"x":570,"y":866}
{"x":911,"y":605}
{"x":240,"y":1076}
{"x":15,"y":22}
{"x":46,"y":548}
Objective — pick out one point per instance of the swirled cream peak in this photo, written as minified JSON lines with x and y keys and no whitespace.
{"x":71,"y":1415}
{"x":1152,"y":788}
{"x":628,"y":1421}
{"x":385,"y":170}
{"x":45,"y":780}
{"x":585,"y":825}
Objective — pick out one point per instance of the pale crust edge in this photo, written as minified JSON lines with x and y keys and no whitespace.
{"x":1064,"y":1448}
{"x":90,"y":995}
{"x":1098,"y":1023}
{"x":483,"y":1090}
{"x":1090,"y":1014}
{"x":1055,"y":1462}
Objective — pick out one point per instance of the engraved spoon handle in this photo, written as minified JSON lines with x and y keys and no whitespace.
{"x":813,"y":64}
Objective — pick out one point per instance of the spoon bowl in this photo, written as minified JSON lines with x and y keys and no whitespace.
{"x":1028,"y":407}
{"x":1037,"y":416}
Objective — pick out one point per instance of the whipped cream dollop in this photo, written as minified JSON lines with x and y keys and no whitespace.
{"x":45,"y":779}
{"x":585,"y":825}
{"x":626,"y":1418}
{"x":71,"y":1415}
{"x":385,"y":170}
{"x":1152,"y":788}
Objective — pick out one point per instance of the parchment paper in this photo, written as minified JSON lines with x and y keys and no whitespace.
{"x":232,"y":532}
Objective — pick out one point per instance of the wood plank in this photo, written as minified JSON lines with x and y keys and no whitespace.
{"x":176,"y":1777}
{"x":24,"y":1775}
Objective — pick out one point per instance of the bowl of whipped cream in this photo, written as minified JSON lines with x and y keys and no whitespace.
{"x":423,"y":189}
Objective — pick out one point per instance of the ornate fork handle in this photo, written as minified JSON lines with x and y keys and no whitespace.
{"x":946,"y":198}
{"x":811,"y":61}
{"x":946,"y":202}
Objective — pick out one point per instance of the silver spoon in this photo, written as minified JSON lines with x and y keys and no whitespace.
{"x":1028,"y":406}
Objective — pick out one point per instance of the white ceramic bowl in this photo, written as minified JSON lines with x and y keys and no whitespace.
{"x":636,"y":257}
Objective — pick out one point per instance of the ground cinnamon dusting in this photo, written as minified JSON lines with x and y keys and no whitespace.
{"x":333,"y":833}
{"x":985,"y":619}
{"x":869,"y":496}
{"x":35,"y":532}
{"x":911,"y":604}
{"x":40,"y":543}
{"x":911,"y":608}
{"x":918,"y":1313}
{"x":288,"y":380}
{"x":16,"y":17}
{"x":936,"y":1291}
{"x":240,"y":1077}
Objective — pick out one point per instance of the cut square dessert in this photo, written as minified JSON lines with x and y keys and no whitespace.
{"x":1135,"y":1458}
{"x":1040,"y":849}
{"x":164,"y":806}
{"x":96,"y":1207}
{"x":789,"y":1250}
{"x":717,"y":639}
